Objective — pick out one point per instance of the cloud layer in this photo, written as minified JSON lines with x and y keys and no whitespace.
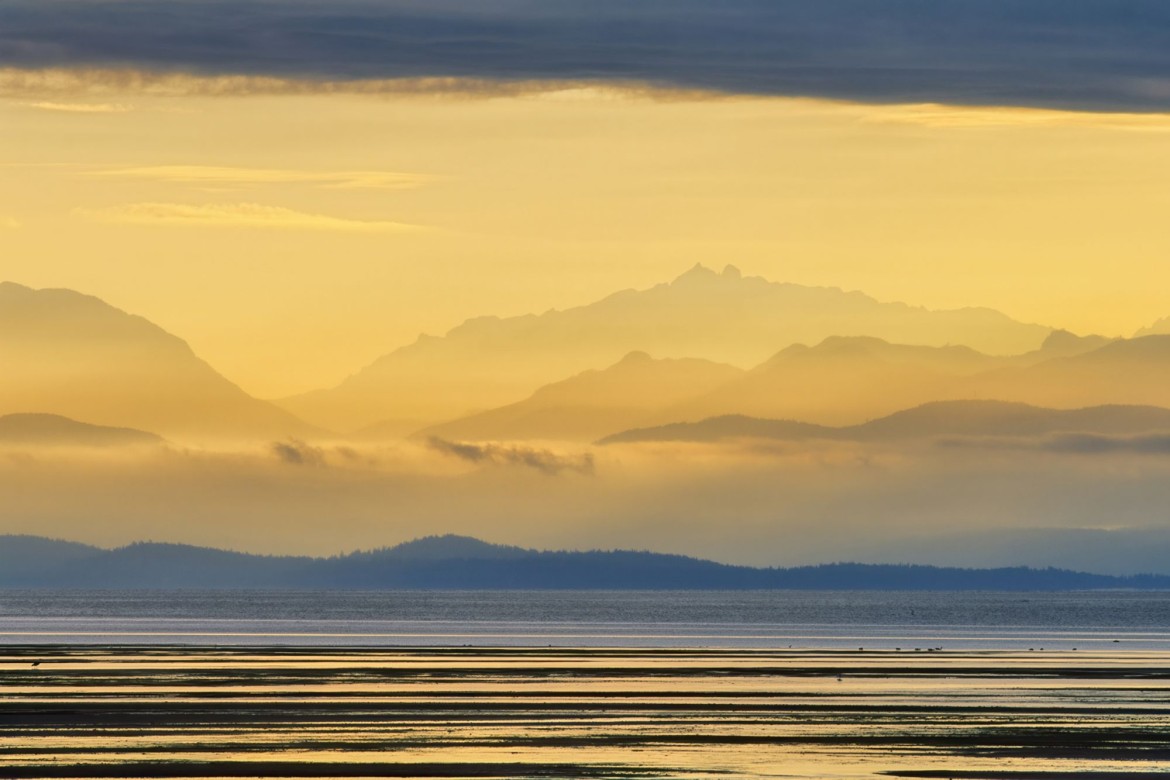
{"x":234,"y":215}
{"x":544,"y":461}
{"x":1082,"y":54}
{"x":783,"y":505}
{"x":82,"y":108}
{"x":227,"y":176}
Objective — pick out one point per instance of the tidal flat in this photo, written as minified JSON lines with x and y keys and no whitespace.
{"x":312,"y":712}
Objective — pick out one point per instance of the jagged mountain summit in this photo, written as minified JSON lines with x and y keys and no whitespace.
{"x":76,"y":356}
{"x":1160,"y":327}
{"x":723,"y":317}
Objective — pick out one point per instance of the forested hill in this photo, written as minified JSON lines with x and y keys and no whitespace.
{"x":455,"y":562}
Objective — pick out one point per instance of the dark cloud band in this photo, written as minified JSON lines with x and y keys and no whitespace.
{"x":1078,"y":54}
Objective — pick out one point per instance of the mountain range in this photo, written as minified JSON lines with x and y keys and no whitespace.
{"x":675,"y":354}
{"x":75,"y":356}
{"x":595,"y":403}
{"x":53,"y":430}
{"x":932,"y":420}
{"x":454,"y":562}
{"x":722,"y":317}
{"x":842,"y":381}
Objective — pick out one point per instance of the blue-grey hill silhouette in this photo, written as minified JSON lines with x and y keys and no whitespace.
{"x":455,"y":562}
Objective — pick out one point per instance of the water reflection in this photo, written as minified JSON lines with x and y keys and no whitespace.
{"x":157,"y":711}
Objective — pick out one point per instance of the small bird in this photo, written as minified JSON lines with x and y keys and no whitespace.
{"x":36,"y":663}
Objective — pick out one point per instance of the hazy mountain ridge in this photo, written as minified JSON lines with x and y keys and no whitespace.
{"x":462,"y":562}
{"x":847,"y":380}
{"x":930,"y":420}
{"x":488,"y":362}
{"x":52,"y":430}
{"x":75,"y":356}
{"x":23,"y":556}
{"x":1124,"y":371}
{"x":839,"y":382}
{"x":1160,"y":327}
{"x":137,"y":375}
{"x":842,"y":380}
{"x":1063,"y":343}
{"x":594,"y":403}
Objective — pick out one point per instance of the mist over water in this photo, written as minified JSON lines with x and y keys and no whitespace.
{"x":911,"y":621}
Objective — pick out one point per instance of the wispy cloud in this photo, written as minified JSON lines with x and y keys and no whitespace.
{"x":1070,"y":443}
{"x":1089,"y":444}
{"x":8,"y":223}
{"x":1075,"y":54}
{"x":82,"y":108}
{"x":544,"y":461}
{"x":295,"y":452}
{"x":96,"y":83}
{"x":236,"y":215}
{"x":212,"y":175}
{"x":936,"y":115}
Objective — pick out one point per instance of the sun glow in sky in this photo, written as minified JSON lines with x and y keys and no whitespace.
{"x":298,"y":190}
{"x":292,"y":238}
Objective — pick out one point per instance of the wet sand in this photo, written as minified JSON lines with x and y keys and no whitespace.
{"x":201,"y":712}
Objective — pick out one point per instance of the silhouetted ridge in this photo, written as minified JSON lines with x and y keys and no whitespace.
{"x":55,"y":430}
{"x":592,"y":403}
{"x":467,"y":563}
{"x":1124,"y":371}
{"x":1159,"y":327}
{"x":29,"y":557}
{"x":75,"y":356}
{"x":489,"y":362}
{"x":443,"y":548}
{"x":731,"y":426}
{"x":1063,"y":342}
{"x":941,"y":418}
{"x":1155,"y":346}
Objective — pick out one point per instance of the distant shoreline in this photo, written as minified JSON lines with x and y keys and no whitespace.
{"x":463,"y":563}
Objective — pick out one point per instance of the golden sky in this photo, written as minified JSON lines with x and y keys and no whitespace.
{"x":297,"y":188}
{"x":292,"y":235}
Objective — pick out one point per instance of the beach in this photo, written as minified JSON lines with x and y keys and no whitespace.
{"x":121,"y":711}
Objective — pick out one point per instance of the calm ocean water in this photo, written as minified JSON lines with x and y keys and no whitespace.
{"x":753,"y":619}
